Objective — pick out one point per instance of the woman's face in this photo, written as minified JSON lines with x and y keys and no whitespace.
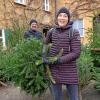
{"x":62,"y":19}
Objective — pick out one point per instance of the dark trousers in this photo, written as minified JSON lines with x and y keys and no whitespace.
{"x":72,"y":91}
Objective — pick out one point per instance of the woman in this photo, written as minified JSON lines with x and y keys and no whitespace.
{"x":64,"y":70}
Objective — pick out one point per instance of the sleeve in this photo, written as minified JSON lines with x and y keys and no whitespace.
{"x":39,"y":35}
{"x":75,"y":49}
{"x":48,"y":38}
{"x":26,"y":35}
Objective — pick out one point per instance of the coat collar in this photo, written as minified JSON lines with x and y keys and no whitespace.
{"x":68,"y":26}
{"x":31,"y":30}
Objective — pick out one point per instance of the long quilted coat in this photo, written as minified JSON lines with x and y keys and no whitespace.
{"x":66,"y":71}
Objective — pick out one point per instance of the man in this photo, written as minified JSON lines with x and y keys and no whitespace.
{"x":33,"y":30}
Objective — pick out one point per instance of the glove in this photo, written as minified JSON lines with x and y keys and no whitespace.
{"x":57,"y":61}
{"x":45,"y":61}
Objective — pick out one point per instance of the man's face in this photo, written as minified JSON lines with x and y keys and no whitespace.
{"x":34,"y":26}
{"x":62,"y":19}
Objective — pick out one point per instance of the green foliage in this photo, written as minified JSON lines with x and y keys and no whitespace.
{"x":85,"y":66}
{"x":96,"y":56}
{"x":2,"y":78}
{"x":13,"y":37}
{"x":15,"y":33}
{"x":97,"y":75}
{"x":95,"y":42}
{"x":95,"y":36}
{"x":21,"y":65}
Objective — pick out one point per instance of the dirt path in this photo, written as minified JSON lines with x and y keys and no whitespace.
{"x":14,"y":93}
{"x":89,"y":93}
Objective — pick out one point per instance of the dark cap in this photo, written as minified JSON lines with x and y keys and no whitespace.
{"x":33,"y":21}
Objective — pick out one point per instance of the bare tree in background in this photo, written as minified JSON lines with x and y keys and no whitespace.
{"x":79,"y":7}
{"x":33,"y":9}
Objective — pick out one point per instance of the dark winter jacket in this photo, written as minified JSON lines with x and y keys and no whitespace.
{"x":66,"y":71}
{"x":33,"y":33}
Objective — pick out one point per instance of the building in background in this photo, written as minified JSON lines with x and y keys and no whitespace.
{"x":20,"y":12}
{"x":83,"y":13}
